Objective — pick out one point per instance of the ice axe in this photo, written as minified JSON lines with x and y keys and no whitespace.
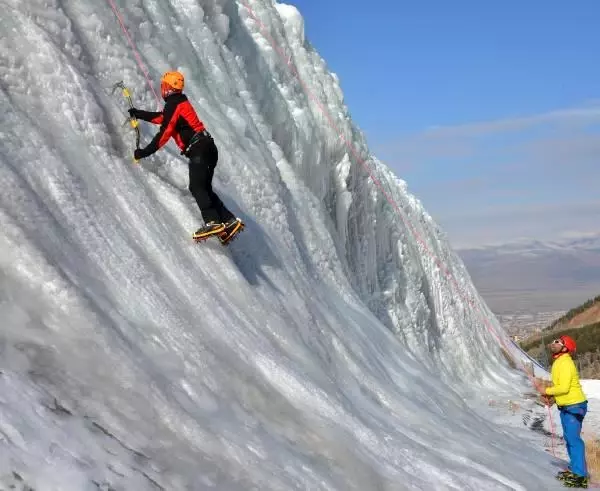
{"x":132,"y":119}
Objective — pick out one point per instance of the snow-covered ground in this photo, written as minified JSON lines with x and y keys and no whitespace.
{"x":591,"y":423}
{"x":337,"y":344}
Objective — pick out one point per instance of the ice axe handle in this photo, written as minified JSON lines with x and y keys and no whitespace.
{"x":133,"y":121}
{"x":134,"y":124}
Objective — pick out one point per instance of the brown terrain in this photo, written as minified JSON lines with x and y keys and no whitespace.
{"x":585,"y":318}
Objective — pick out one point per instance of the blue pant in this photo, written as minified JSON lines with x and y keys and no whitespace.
{"x":571,"y":418}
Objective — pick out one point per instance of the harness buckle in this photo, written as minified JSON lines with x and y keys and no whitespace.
{"x":195,"y":139}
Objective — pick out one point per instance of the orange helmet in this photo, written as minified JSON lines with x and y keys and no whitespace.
{"x":171,"y":82}
{"x":569,"y":343}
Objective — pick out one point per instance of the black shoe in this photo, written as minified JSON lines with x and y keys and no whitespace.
{"x":232,"y":227}
{"x":562,"y":475}
{"x":210,"y":229}
{"x":575,"y":481}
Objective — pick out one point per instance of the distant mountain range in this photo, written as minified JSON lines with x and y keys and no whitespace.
{"x":536,"y":276}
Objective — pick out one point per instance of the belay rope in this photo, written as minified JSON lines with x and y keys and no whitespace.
{"x":403,"y":217}
{"x":132,"y":119}
{"x":361,"y":160}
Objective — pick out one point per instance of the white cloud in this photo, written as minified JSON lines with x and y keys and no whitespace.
{"x":564,"y":117}
{"x":506,"y":224}
{"x":455,"y":141}
{"x":494,"y":181}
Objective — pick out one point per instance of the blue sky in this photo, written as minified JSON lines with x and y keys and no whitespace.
{"x":489,"y":110}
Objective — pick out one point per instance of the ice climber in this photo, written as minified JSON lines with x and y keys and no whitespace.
{"x":179,"y":120}
{"x":572,"y":403}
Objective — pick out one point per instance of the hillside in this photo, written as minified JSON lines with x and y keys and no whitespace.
{"x":583,"y":315}
{"x":582,"y":323}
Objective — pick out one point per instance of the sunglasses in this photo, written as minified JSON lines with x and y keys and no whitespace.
{"x":558,"y":341}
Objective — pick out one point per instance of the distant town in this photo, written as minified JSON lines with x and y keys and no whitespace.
{"x":522,"y":325}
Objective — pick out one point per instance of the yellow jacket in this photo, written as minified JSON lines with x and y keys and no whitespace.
{"x":566,"y":389}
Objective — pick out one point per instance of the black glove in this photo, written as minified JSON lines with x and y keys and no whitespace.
{"x":133,"y":112}
{"x":139,"y":154}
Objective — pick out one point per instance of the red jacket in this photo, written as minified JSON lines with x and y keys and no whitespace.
{"x":178,"y":119}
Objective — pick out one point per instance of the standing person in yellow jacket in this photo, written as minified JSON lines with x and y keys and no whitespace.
{"x":572,"y":403}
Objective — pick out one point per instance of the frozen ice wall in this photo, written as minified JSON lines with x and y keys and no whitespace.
{"x":337,"y":344}
{"x":395,"y":256}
